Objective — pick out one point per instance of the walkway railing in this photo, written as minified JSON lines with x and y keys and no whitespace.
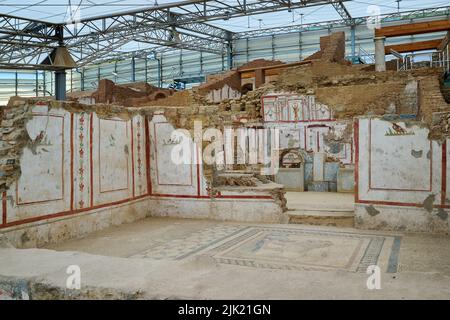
{"x":439,"y":59}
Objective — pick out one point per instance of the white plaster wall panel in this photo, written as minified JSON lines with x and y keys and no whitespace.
{"x":294,"y":108}
{"x":392,"y":161}
{"x":248,"y":194}
{"x":139,"y":156}
{"x":217,"y":95}
{"x":311,"y":137}
{"x":290,"y":138}
{"x":319,"y":167}
{"x":404,"y":174}
{"x":447,"y":167}
{"x":180,"y":208}
{"x":235,"y":94}
{"x":270,"y":109}
{"x":311,"y":120}
{"x":210,"y":96}
{"x":167,"y":172}
{"x":314,"y":136}
{"x":283,"y":110}
{"x":223,"y":210}
{"x":43,"y":162}
{"x":204,"y":189}
{"x":81,"y":163}
{"x":396,"y":218}
{"x":167,"y":176}
{"x":44,"y":186}
{"x":228,"y":93}
{"x":112,"y":160}
{"x":346,"y":154}
{"x":40,"y":234}
{"x":322,"y":112}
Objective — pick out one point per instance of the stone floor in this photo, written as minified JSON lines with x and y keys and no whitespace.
{"x":168,"y":258}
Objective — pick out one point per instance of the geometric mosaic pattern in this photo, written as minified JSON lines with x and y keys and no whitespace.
{"x":280,"y":248}
{"x":183,"y":247}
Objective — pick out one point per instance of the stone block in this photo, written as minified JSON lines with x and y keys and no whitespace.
{"x":322,"y":186}
{"x":332,"y":186}
{"x":331,"y":171}
{"x":292,"y":179}
{"x":308,"y":172}
{"x":346,"y":180}
{"x":319,"y":166}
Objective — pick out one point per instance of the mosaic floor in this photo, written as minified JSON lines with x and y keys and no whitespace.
{"x":282,"y":248}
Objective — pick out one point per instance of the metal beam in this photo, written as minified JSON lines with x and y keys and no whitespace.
{"x":392,"y":17}
{"x":178,"y":25}
{"x":414,"y":46}
{"x":90,"y":38}
{"x":342,"y":10}
{"x":413,"y":29}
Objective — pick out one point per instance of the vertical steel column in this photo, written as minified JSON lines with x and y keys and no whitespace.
{"x":230,"y":61}
{"x":181,"y":62}
{"x":353,"y":42}
{"x":146,"y":69}
{"x":230,"y":56}
{"x":248,"y":50}
{"x":116,"y":75}
{"x":133,"y":69}
{"x":160,"y":70}
{"x":37,"y":83}
{"x":60,"y":85}
{"x":16,"y":84}
{"x":60,"y":75}
{"x":44,"y":86}
{"x":273,"y":47}
{"x":201,"y":62}
{"x":300,"y":45}
{"x":82,"y":84}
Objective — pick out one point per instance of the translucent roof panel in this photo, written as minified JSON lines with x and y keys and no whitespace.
{"x":58,"y":11}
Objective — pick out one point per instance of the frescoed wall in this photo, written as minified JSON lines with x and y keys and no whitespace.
{"x":401,"y":177}
{"x":307,"y":124}
{"x":82,"y":172}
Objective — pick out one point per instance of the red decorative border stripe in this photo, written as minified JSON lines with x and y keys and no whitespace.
{"x":4,"y":207}
{"x":444,"y":174}
{"x":148,"y":195}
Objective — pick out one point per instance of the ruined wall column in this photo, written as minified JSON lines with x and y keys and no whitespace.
{"x":380,"y":55}
{"x":260,"y":78}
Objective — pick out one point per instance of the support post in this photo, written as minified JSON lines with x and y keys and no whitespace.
{"x":353,"y":42}
{"x":230,"y":51}
{"x":60,"y":85}
{"x":158,"y":61}
{"x":380,"y":55}
{"x":133,"y":69}
{"x":229,"y":56}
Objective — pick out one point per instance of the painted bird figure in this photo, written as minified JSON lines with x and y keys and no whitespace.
{"x":398,"y":129}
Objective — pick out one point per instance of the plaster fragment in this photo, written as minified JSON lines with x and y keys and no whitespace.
{"x":372,"y":211}
{"x":429,"y":202}
{"x":442,"y":214}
